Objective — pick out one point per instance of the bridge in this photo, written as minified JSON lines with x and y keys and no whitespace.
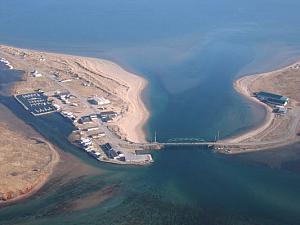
{"x":224,"y":146}
{"x":188,"y":142}
{"x":185,"y":142}
{"x":219,"y":145}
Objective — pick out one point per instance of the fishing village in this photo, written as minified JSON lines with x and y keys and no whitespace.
{"x":93,"y":109}
{"x":91,"y":132}
{"x":80,"y":95}
{"x":103,"y":102}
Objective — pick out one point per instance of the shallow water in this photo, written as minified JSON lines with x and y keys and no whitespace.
{"x":190,"y":51}
{"x":183,"y":186}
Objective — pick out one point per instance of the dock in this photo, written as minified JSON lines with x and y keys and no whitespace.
{"x":36,"y":103}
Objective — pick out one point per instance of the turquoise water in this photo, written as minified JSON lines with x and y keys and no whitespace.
{"x":190,"y":51}
{"x":184,"y":186}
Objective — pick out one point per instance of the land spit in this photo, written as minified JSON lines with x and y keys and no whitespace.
{"x":82,"y":80}
{"x":102,"y":100}
{"x":87,"y":90}
{"x":277,"y":129}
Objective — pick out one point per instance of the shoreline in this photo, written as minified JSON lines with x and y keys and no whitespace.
{"x":246,"y":86}
{"x":243,"y":89}
{"x":140,"y":114}
{"x":130,"y":87}
{"x":23,"y":130}
{"x":134,"y":121}
{"x":38,"y":184}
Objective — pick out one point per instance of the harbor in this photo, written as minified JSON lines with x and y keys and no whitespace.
{"x":36,"y":103}
{"x":93,"y":136}
{"x":88,"y":101}
{"x":210,"y":90}
{"x":90,"y":134}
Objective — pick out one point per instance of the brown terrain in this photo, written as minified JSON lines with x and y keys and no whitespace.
{"x":67,"y":72}
{"x":26,"y":160}
{"x":277,"y":130}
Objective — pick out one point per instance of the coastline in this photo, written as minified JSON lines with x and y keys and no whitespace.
{"x":134,"y":120}
{"x":38,"y":184}
{"x":241,"y":85}
{"x":268,"y":134}
{"x":132,"y":123}
{"x":137,"y":116}
{"x":129,"y":87}
{"x":20,"y":128}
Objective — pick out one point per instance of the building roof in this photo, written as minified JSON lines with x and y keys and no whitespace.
{"x":85,"y":119}
{"x":276,"y":101}
{"x":109,"y":151}
{"x":272,"y":96}
{"x":108,"y":113}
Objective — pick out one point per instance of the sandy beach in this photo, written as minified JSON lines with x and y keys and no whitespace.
{"x":137,"y":114}
{"x":242,"y":86}
{"x":275,"y":130}
{"x":122,"y":88}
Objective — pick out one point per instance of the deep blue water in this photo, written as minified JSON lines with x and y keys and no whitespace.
{"x":190,"y":51}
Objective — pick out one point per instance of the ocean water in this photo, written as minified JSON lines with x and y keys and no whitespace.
{"x":191,"y":52}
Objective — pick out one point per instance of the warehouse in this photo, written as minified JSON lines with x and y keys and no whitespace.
{"x":272,"y":99}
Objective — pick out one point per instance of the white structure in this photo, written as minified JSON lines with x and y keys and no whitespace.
{"x":100,"y":101}
{"x":35,"y":73}
{"x":7,"y":63}
{"x":280,"y":109}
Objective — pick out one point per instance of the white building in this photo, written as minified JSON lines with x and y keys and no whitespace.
{"x":35,"y":73}
{"x":99,"y":101}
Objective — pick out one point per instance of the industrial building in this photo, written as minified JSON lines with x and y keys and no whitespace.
{"x":98,"y":101}
{"x":279,"y":109}
{"x":85,"y":119}
{"x":272,"y":99}
{"x":109,"y":151}
{"x":107,"y":116}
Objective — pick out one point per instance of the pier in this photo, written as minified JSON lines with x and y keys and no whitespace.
{"x":36,"y":103}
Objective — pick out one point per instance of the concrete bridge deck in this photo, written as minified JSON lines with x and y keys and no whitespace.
{"x":214,"y":145}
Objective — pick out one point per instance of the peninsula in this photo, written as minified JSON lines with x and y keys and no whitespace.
{"x":101,"y":99}
{"x":104,"y":103}
{"x":281,"y":125}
